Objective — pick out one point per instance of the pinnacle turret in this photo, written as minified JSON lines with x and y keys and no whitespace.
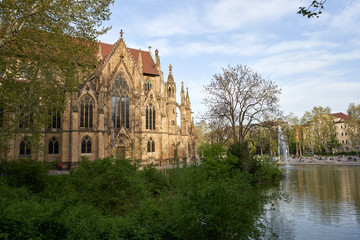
{"x":182,"y":94}
{"x":170,"y":77}
{"x":187,"y":98}
{"x":139,"y":63}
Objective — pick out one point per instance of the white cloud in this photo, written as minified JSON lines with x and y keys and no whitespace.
{"x":349,"y":19}
{"x":180,"y":22}
{"x":235,"y":14}
{"x":306,"y":94}
{"x":299,"y":45}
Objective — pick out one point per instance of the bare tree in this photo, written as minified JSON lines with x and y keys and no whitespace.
{"x":241,"y":98}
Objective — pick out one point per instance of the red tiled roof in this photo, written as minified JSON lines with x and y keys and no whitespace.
{"x":340,"y":115}
{"x":106,"y":49}
{"x":148,"y":63}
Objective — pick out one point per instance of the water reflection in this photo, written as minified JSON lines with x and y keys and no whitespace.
{"x":325,"y":203}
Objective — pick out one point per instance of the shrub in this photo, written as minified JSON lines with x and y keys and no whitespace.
{"x":27,"y":173}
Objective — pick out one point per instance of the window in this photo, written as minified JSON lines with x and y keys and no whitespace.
{"x":345,"y":133}
{"x":86,"y":145}
{"x":26,"y":117}
{"x":120,"y":106}
{"x":86,"y":112}
{"x":342,"y":141}
{"x":346,"y":141}
{"x":23,"y":75}
{"x":25,"y":148}
{"x":1,"y":116}
{"x":342,"y":134}
{"x":55,"y":119}
{"x":150,"y":116}
{"x":151,"y":145}
{"x":147,"y":85}
{"x":53,"y":146}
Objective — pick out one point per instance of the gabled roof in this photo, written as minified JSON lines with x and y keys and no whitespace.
{"x":340,"y":115}
{"x":148,"y":63}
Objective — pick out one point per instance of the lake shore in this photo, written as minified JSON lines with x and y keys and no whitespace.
{"x":323,"y":161}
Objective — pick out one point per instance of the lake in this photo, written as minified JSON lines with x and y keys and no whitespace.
{"x":325,"y":203}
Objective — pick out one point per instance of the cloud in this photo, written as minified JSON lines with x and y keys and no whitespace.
{"x":214,"y":17}
{"x":180,"y":22}
{"x":307,"y":93}
{"x":348,"y":20}
{"x":299,"y":45}
{"x":234,"y":14}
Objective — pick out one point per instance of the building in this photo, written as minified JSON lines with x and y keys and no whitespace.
{"x":342,"y":134}
{"x":125,"y":108}
{"x":318,"y":134}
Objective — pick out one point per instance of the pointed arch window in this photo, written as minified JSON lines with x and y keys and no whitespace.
{"x":86,"y":112}
{"x":86,"y":145}
{"x":147,"y":85}
{"x":25,"y":148}
{"x":53,"y":146}
{"x":151,"y":145}
{"x":26,"y":117}
{"x":1,"y":115}
{"x":120,"y":104}
{"x":55,"y":119}
{"x":150,"y":116}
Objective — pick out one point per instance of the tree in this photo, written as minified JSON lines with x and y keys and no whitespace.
{"x":353,"y":123}
{"x":313,"y":10}
{"x":240,"y":98}
{"x":319,"y":127}
{"x":293,"y":134}
{"x":47,"y":48}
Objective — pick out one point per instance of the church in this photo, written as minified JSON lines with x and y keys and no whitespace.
{"x":126,"y":109}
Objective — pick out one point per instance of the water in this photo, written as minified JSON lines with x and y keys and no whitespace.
{"x":325,"y":203}
{"x":282,"y":145}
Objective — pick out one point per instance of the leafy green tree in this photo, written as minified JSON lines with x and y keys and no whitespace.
{"x":353,"y":123}
{"x":319,"y":127}
{"x":47,"y":48}
{"x":333,"y":143}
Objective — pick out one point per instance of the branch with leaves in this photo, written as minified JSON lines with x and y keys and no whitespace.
{"x":313,"y":10}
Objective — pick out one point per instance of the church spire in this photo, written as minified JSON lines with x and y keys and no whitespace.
{"x":157,"y":60}
{"x":140,"y":65}
{"x":182,"y":94}
{"x":99,"y":54}
{"x":170,"y":77}
{"x":187,"y":98}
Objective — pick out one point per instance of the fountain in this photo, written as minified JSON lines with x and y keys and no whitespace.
{"x":282,"y":146}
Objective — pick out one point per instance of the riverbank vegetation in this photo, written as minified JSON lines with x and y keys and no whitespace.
{"x":217,"y":198}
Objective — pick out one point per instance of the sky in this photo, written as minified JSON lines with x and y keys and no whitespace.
{"x":316,"y":61}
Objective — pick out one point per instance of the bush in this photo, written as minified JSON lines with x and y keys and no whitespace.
{"x":110,"y":184}
{"x":27,"y":173}
{"x":112,"y":199}
{"x":154,"y":180}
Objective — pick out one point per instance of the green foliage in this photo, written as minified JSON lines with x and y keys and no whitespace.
{"x":27,"y":173}
{"x":47,"y":49}
{"x":112,"y":199}
{"x":155,"y":182}
{"x":110,"y":184}
{"x":313,"y":10}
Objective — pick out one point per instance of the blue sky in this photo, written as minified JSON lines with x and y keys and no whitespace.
{"x":316,"y":62}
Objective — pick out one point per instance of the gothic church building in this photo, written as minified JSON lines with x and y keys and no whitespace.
{"x":125,"y":109}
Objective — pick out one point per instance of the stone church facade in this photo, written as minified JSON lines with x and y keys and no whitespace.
{"x":126,"y":109}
